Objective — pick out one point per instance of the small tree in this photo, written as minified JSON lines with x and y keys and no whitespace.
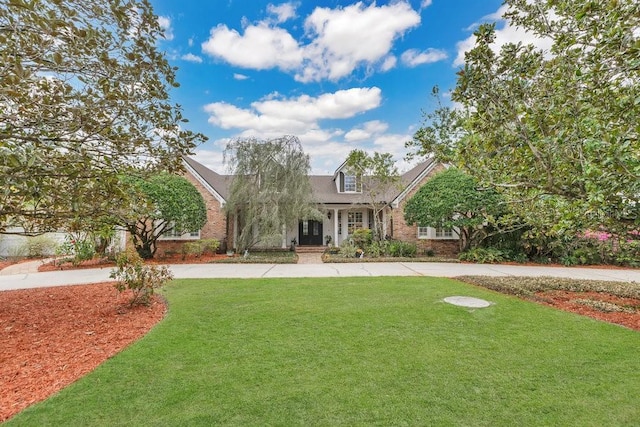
{"x":379,"y":177}
{"x":270,"y":189}
{"x":453,"y":199}
{"x":161,"y":204}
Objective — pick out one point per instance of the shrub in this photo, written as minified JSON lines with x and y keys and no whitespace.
{"x":398,"y":248}
{"x":131,"y":273}
{"x":210,"y":245}
{"x":429,"y":252}
{"x":483,"y":255}
{"x":348,"y":249}
{"x":200,"y":247}
{"x":362,"y":237}
{"x":79,"y":248}
{"x":39,"y":246}
{"x":377,"y":249}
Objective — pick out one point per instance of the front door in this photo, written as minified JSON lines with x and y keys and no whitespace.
{"x":310,"y":232}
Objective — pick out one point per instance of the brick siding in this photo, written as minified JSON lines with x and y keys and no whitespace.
{"x":409,"y":233}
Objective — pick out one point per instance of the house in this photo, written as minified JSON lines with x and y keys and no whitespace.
{"x":339,"y":196}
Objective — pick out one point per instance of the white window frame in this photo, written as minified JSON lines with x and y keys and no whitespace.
{"x":443,"y":233}
{"x":173,"y":235}
{"x":352,"y":221}
{"x":350,"y":183}
{"x":437,"y":233}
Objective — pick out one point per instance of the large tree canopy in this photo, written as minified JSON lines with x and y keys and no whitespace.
{"x":270,"y":189}
{"x":557,"y":130}
{"x":83,"y":99}
{"x":160,"y":204}
{"x":453,"y":199}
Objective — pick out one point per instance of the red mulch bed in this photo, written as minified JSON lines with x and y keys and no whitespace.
{"x":569,"y":301}
{"x":50,"y":337}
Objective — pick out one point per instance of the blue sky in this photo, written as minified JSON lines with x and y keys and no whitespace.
{"x":338,"y":74}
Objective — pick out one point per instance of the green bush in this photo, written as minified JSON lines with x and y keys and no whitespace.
{"x":377,"y":249}
{"x":39,"y":246}
{"x":198,"y":248}
{"x":132,"y":274}
{"x":398,"y":248}
{"x":483,"y":255}
{"x":362,"y":237}
{"x":348,"y":249}
{"x":79,"y":248}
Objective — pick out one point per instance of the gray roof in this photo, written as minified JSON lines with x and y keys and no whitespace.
{"x":218,"y":182}
{"x":323,"y":186}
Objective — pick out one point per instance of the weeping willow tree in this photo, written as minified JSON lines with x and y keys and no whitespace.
{"x":270,"y":190}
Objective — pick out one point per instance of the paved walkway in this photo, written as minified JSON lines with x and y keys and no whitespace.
{"x":26,"y":277}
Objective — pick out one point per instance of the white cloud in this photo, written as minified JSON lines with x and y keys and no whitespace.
{"x":165,"y":24}
{"x":345,"y":38}
{"x":283,"y":12}
{"x":425,"y":4}
{"x":275,"y":115}
{"x":191,"y":58}
{"x":190,"y":42}
{"x":260,"y":47}
{"x":505,"y":33}
{"x":388,"y":63}
{"x":239,"y":76}
{"x":341,"y":40}
{"x":413,"y":57}
{"x":367,"y":131}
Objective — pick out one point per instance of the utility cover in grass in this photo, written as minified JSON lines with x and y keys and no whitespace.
{"x":467,"y":302}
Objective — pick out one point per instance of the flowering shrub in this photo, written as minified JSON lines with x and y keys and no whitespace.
{"x":78,"y":247}
{"x":141,"y":279}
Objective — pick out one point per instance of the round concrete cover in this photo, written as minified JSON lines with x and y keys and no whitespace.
{"x":467,"y":302}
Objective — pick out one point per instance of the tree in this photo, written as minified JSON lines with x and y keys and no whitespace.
{"x":379,"y":177}
{"x":559,"y":128}
{"x":83,"y":99}
{"x":161,"y":204}
{"x":453,"y":199}
{"x":270,"y":188}
{"x":439,"y":134}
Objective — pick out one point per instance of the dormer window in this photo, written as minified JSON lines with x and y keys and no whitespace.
{"x":350,"y":183}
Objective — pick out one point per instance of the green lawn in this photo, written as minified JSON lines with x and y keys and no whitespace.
{"x":357,"y":351}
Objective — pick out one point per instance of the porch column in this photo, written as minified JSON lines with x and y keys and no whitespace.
{"x":284,"y":236}
{"x":335,"y":227}
{"x":235,"y":231}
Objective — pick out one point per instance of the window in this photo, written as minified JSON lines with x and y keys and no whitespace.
{"x":174,"y":234}
{"x":354,"y":221}
{"x":423,"y":232}
{"x":444,"y":233}
{"x":349,"y":183}
{"x":305,"y":228}
{"x":339,"y":222}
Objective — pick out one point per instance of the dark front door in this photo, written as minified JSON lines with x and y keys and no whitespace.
{"x":310,"y":232}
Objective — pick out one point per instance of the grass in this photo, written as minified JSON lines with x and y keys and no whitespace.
{"x":357,"y":351}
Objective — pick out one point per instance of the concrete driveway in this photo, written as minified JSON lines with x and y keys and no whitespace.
{"x":27,"y":278}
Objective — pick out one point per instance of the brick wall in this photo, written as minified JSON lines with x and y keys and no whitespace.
{"x":214,"y":228}
{"x":409,"y":233}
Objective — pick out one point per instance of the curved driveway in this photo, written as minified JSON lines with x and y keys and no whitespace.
{"x":21,"y":280}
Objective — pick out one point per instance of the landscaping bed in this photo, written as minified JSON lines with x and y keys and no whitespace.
{"x":331,"y":258}
{"x":612,"y":302}
{"x":52,"y":336}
